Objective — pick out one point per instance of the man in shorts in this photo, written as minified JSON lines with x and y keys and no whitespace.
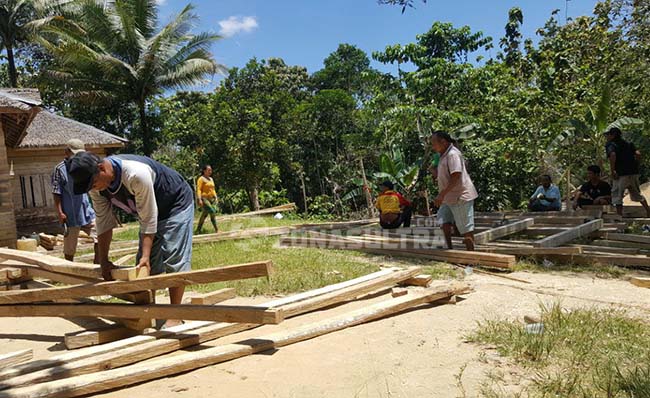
{"x":457,"y":192}
{"x":624,"y":163}
{"x":158,"y":196}
{"x":75,"y":212}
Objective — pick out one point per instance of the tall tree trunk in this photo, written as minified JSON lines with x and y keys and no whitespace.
{"x":147,"y":144}
{"x":254,"y":197}
{"x":13,"y":76}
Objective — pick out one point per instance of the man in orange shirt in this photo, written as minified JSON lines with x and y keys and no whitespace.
{"x":394,"y":209}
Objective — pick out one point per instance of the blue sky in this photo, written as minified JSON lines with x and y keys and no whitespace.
{"x":304,"y":32}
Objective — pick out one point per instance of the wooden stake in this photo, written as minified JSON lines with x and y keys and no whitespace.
{"x":214,"y":297}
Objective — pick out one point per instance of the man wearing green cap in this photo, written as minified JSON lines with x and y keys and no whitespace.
{"x":74,"y":211}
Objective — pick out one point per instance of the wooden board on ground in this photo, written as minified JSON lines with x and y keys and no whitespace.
{"x":214,"y":297}
{"x":234,"y":272}
{"x":54,"y":264}
{"x":213,"y":313}
{"x":14,"y":358}
{"x":641,"y":282}
{"x":628,"y":238}
{"x":115,"y":378}
{"x":504,"y":230}
{"x":419,"y":280}
{"x":452,"y":256}
{"x":569,"y":235}
{"x":89,"y":338}
{"x":529,"y":251}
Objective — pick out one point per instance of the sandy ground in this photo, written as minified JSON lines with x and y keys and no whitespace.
{"x":419,"y":353}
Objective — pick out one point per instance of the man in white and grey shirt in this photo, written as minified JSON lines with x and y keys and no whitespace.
{"x":158,"y":196}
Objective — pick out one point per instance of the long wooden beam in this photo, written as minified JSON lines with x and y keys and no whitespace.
{"x":233,"y":272}
{"x":640,"y":282}
{"x":138,"y":348}
{"x":570,"y":234}
{"x":628,"y":237}
{"x":54,"y":264}
{"x":16,"y":357}
{"x":121,"y":377}
{"x":89,"y":338}
{"x":505,"y":230}
{"x":214,"y":313}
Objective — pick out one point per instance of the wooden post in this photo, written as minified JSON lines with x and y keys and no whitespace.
{"x":371,"y":209}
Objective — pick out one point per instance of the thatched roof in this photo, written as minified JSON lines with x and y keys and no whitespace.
{"x":27,"y":125}
{"x":48,"y":130}
{"x":16,"y":113}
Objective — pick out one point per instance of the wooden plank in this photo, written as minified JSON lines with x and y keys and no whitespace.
{"x":569,"y":235}
{"x":53,"y":263}
{"x":453,"y":256}
{"x":214,"y":297}
{"x":628,"y":237}
{"x":605,"y":249}
{"x":138,"y":348}
{"x":530,"y":251}
{"x":638,"y":281}
{"x":398,"y":292}
{"x":418,"y":280}
{"x":129,"y":273}
{"x":233,"y":272}
{"x":502,"y":231}
{"x":213,"y":313}
{"x":89,"y":338}
{"x":121,"y":377}
{"x":15,"y":358}
{"x":618,"y":243}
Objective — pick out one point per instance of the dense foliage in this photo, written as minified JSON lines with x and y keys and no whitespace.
{"x":275,"y":133}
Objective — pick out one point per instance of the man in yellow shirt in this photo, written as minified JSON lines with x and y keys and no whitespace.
{"x":206,"y":196}
{"x":394,"y":209}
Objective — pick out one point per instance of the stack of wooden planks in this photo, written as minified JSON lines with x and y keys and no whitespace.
{"x":139,"y":358}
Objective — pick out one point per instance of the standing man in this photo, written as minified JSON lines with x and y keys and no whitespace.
{"x":624,"y":164}
{"x":394,"y":209}
{"x":75,"y":212}
{"x":593,"y":192}
{"x":158,"y":196}
{"x":546,"y":197}
{"x":457,"y":192}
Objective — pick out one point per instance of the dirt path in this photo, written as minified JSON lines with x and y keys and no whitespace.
{"x":420,"y":353}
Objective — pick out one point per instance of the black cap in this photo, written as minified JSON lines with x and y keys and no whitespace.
{"x":388,"y":185}
{"x":613,"y":131}
{"x":82,"y":167}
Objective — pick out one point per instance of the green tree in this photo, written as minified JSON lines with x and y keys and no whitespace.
{"x":14,"y":17}
{"x":116,"y":51}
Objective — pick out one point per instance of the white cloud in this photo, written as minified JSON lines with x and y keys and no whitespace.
{"x":161,"y":2}
{"x":234,"y":25}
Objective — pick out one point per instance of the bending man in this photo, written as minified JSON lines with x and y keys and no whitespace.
{"x":157,"y":195}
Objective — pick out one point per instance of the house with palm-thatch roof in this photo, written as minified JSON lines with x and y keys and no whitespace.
{"x":32,"y":143}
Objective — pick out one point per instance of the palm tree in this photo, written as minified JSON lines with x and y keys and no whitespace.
{"x":113,"y":50}
{"x":14,"y":15}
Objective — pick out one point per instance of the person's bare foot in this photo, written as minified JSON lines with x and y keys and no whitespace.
{"x":170,"y":323}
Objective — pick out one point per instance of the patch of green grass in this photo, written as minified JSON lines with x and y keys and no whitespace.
{"x":131,"y":230}
{"x":296,"y":269}
{"x":584,"y":353}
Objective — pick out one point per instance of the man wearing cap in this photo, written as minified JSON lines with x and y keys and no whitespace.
{"x":624,"y":165}
{"x":75,"y":212}
{"x":394,"y":209}
{"x":158,"y":196}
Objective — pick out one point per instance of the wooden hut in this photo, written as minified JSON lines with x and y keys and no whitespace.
{"x":32,"y":143}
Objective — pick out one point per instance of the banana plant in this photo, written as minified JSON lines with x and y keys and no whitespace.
{"x":393,"y":167}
